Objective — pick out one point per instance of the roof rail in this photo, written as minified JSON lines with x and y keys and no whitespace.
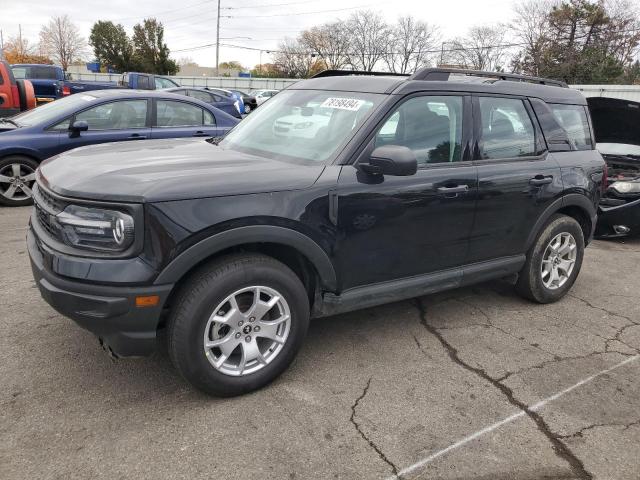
{"x":442,"y":74}
{"x":344,"y":73}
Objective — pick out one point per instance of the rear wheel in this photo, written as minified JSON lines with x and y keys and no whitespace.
{"x":553,"y":262}
{"x":247,"y":108}
{"x":17,"y":176}
{"x":238,"y":324}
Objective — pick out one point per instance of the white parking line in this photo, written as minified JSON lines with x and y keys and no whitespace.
{"x":515,"y":416}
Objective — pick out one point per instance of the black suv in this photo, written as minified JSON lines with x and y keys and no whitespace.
{"x":342,"y":192}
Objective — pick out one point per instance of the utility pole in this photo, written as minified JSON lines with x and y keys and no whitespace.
{"x":1,"y":45}
{"x":218,"y":40}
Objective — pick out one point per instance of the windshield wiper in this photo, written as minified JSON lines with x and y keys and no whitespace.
{"x":8,"y":120}
{"x":214,"y":140}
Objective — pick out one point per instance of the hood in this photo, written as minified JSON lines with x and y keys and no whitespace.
{"x":615,"y":120}
{"x":172,"y":169}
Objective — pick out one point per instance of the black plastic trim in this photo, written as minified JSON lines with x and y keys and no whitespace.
{"x":251,"y":234}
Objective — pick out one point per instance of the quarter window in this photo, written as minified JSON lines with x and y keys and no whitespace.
{"x":573,"y":119}
{"x":431,"y":126}
{"x":161,"y":82}
{"x":116,"y":115}
{"x":209,"y":119}
{"x":507,"y":130}
{"x":178,"y":114}
{"x":203,"y":96}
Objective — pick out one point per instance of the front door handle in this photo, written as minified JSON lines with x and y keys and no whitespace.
{"x":136,"y":136}
{"x":539,"y":180}
{"x":453,"y":190}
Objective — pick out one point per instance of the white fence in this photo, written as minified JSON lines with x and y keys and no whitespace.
{"x":623,"y":92}
{"x":235,"y":83}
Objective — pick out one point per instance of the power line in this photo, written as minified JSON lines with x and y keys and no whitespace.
{"x":264,"y":5}
{"x":304,"y":13}
{"x":136,"y":17}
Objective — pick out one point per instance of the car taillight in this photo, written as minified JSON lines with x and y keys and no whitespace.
{"x":66,"y":91}
{"x":605,"y":179}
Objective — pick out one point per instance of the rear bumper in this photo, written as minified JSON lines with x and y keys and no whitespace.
{"x":110,"y":312}
{"x":611,"y":218}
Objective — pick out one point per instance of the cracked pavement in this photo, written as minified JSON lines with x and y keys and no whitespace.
{"x":453,"y":380}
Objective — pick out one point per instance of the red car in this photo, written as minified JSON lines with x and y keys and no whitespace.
{"x":15,"y":96}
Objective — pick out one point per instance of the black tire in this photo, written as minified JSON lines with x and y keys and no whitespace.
{"x":22,"y":95}
{"x":203,"y":292}
{"x":530,"y":282}
{"x":27,"y":166}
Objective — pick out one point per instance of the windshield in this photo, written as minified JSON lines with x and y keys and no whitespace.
{"x":618,"y":149}
{"x":53,"y":110}
{"x":305,"y":125}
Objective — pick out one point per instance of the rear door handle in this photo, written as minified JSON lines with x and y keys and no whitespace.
{"x":541,"y":180}
{"x":453,"y":190}
{"x":200,"y":133}
{"x":136,"y":136}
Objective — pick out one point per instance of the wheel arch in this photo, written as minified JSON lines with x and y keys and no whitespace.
{"x":293,"y":248}
{"x":574,"y":205}
{"x":22,"y":152}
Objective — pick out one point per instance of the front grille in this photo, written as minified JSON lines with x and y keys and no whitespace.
{"x":46,"y":207}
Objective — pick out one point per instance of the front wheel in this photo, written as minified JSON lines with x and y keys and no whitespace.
{"x":553,"y":262}
{"x":17,"y":176}
{"x":238,"y":324}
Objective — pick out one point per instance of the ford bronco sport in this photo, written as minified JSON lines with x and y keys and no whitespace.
{"x":407,"y":186}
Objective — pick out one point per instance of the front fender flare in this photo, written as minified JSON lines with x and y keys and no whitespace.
{"x":251,"y":234}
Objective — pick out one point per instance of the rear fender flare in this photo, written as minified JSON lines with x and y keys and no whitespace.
{"x":204,"y":249}
{"x":571,"y":200}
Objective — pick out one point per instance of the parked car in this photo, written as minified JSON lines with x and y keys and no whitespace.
{"x":249,"y":101}
{"x":616,"y":125}
{"x":233,"y":245}
{"x":145,"y":81}
{"x":51,"y":83}
{"x":229,"y":93}
{"x":15,"y":95}
{"x":227,"y":104}
{"x":262,"y":96}
{"x":97,"y":117}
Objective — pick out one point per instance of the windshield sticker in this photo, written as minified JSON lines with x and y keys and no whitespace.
{"x":352,"y":104}
{"x":87,"y":98}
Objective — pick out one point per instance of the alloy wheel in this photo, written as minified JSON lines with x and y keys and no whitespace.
{"x":16,"y":181}
{"x":247,"y":330}
{"x":558,"y":260}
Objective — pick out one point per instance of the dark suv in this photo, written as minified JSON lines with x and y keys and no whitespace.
{"x":342,"y":192}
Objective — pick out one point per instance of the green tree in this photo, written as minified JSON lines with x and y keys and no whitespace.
{"x":150,"y":51}
{"x":112,"y":47}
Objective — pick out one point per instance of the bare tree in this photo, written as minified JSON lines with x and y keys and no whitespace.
{"x":622,"y":36}
{"x":530,"y":27}
{"x":61,"y":40}
{"x":330,"y":42}
{"x":410,"y":47}
{"x":294,"y":59}
{"x":369,"y":39}
{"x":482,"y":49}
{"x":187,"y":62}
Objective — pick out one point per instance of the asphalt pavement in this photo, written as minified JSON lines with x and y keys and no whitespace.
{"x":475,"y":383}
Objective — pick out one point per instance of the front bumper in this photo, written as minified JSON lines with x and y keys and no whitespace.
{"x":110,"y":312}
{"x":610,"y":219}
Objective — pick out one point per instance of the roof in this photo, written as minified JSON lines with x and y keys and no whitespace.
{"x":463,"y":84}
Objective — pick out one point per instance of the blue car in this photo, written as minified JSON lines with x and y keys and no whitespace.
{"x":218,"y":99}
{"x":96,"y":117}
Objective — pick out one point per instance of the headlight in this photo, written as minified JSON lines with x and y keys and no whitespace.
{"x":626,"y":187}
{"x":304,"y":125}
{"x":96,"y":229}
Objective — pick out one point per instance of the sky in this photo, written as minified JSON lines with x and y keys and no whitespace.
{"x":259,"y":24}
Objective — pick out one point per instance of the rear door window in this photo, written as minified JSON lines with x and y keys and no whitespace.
{"x":178,"y":114}
{"x":200,"y":95}
{"x":573,"y":119}
{"x":507,"y":130}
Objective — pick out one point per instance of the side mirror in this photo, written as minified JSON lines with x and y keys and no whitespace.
{"x":77,"y":127}
{"x":393,"y":160}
